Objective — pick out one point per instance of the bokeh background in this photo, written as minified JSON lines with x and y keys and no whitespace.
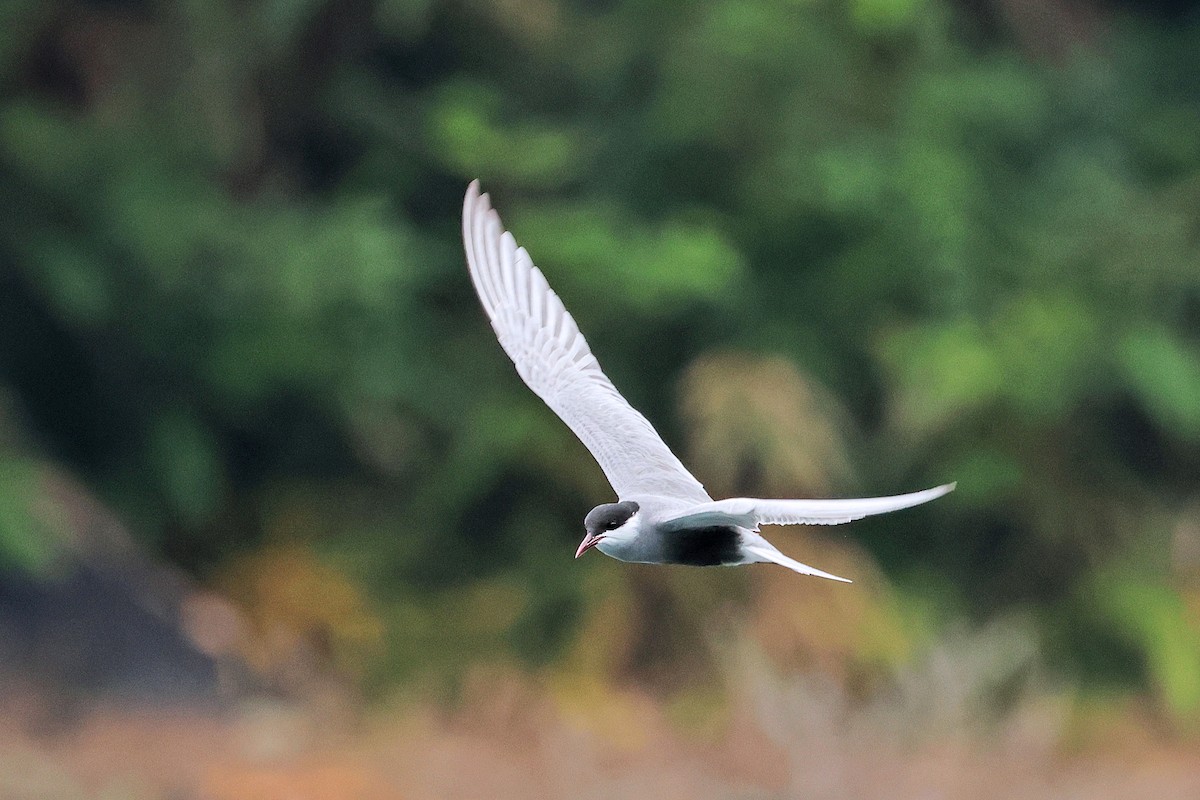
{"x":279,"y":520}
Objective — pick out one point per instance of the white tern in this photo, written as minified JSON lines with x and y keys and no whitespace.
{"x":663,"y":515}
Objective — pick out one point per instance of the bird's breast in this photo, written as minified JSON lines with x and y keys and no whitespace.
{"x":703,"y":547}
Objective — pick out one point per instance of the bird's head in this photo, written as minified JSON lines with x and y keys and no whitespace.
{"x":611,"y":521}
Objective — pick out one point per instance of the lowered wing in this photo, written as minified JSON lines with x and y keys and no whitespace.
{"x":750,"y":512}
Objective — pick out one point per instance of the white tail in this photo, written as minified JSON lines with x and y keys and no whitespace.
{"x":766,"y":552}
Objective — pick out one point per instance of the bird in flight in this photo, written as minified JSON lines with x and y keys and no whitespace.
{"x":663,"y":515}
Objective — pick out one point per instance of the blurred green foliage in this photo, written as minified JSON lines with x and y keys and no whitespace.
{"x":232,"y":296}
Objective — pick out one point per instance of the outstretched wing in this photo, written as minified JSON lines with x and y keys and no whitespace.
{"x":750,"y":512}
{"x":552,"y":357}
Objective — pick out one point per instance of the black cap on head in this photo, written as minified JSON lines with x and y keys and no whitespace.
{"x":609,"y":517}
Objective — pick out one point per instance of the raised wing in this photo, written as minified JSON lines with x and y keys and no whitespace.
{"x":749,"y":512}
{"x":552,"y":357}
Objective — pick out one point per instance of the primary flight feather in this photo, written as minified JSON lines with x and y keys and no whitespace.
{"x":663,"y":515}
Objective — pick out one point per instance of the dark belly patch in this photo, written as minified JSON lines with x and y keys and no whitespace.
{"x":704,"y":547}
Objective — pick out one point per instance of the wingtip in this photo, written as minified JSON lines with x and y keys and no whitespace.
{"x":469,"y":199}
{"x":925,"y":495}
{"x":474,"y":195}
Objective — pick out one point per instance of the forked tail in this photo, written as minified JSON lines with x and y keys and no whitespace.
{"x":766,"y":552}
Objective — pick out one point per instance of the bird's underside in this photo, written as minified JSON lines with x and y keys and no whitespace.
{"x":554,"y":360}
{"x":711,"y":546}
